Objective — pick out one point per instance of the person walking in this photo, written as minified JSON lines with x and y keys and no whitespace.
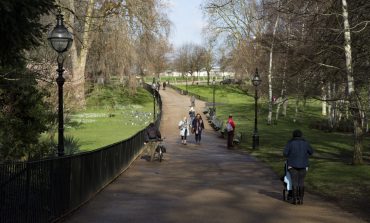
{"x":297,"y":151}
{"x":152,"y":136}
{"x":184,"y":129}
{"x":198,"y":126}
{"x":164,"y":85}
{"x":192,"y":101}
{"x":230,"y":127}
{"x":191,"y":114}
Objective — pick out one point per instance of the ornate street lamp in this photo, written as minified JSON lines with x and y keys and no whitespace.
{"x":60,"y":40}
{"x":214,"y":89}
{"x":154,"y":89}
{"x":256,"y":81}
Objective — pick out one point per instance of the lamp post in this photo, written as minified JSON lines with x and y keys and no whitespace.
{"x":154,"y":88}
{"x":60,"y":40}
{"x":214,"y":89}
{"x":255,"y":81}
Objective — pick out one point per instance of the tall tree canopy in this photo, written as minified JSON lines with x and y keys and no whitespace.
{"x":304,"y":49}
{"x":20,"y":28}
{"x":23,"y":112}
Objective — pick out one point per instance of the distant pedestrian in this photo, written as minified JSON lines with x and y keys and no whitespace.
{"x":184,"y":129}
{"x":297,"y":151}
{"x":198,"y":126}
{"x":192,"y":101}
{"x":191,"y":114}
{"x":164,"y":85}
{"x":159,"y":85}
{"x":230,"y":127}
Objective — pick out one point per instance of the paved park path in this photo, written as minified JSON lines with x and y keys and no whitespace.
{"x":200,"y":183}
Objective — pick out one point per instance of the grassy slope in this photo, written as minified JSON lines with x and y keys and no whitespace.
{"x":111,"y":116}
{"x":330,"y":174}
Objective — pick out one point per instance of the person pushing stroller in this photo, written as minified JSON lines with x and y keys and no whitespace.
{"x":297,"y":151}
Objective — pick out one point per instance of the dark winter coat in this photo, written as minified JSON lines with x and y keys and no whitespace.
{"x":152,"y":133}
{"x":197,"y":125}
{"x":297,"y":151}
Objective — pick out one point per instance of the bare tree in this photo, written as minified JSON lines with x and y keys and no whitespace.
{"x":209,"y":60}
{"x":144,"y":22}
{"x":181,"y":62}
{"x":199,"y":57}
{"x":309,"y":48}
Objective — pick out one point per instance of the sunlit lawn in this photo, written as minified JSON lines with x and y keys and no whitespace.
{"x":101,"y":130}
{"x":330,"y":173}
{"x":101,"y":125}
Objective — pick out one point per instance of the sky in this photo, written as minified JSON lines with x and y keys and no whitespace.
{"x":187,"y":20}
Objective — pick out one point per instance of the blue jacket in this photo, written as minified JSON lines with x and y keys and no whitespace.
{"x":297,"y":151}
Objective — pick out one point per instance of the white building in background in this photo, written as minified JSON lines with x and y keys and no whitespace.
{"x":203,"y":73}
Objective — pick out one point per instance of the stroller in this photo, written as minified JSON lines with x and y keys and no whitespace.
{"x":287,"y":181}
{"x":160,"y":150}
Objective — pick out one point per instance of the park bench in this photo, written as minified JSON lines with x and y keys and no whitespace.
{"x":216,"y":123}
{"x":206,"y":110}
{"x":207,"y":114}
{"x":237,"y":138}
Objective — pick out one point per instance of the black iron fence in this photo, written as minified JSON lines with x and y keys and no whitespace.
{"x":45,"y":190}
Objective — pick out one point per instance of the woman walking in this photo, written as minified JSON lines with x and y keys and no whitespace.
{"x":184,"y":130}
{"x":198,"y":126}
{"x":297,"y":152}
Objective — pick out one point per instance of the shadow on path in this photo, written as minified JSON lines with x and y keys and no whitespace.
{"x":200,"y":183}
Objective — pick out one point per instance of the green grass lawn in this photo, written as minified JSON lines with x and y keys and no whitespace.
{"x":330,"y":173}
{"x":111,"y":116}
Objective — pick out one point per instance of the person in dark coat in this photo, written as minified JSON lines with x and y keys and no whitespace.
{"x":198,"y":126}
{"x":152,"y":136}
{"x":297,"y":151}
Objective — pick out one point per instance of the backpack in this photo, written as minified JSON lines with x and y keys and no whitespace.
{"x":229,"y":127}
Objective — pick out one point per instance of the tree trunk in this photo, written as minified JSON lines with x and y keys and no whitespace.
{"x":283,"y":89}
{"x":269,"y":117}
{"x":277,"y":111}
{"x":324,"y":102}
{"x":285,"y":106}
{"x":79,"y":58}
{"x":354,"y":102}
{"x":296,"y":109}
{"x":330,"y":106}
{"x":208,"y":76}
{"x":132,"y":84}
